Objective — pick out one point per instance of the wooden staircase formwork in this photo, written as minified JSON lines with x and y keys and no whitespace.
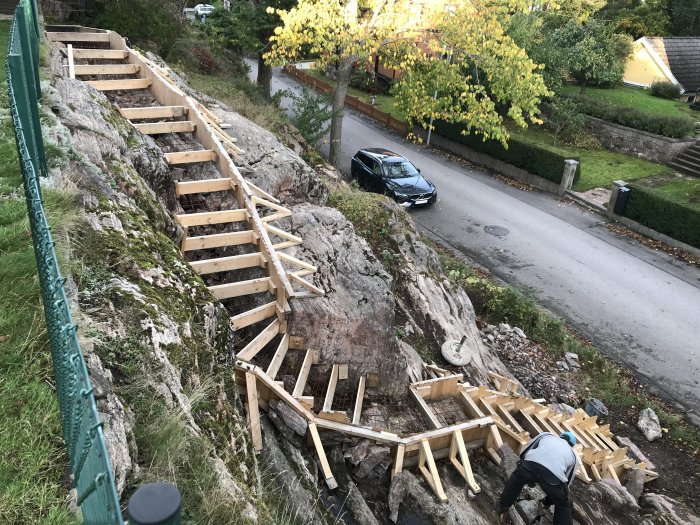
{"x":491,"y":417}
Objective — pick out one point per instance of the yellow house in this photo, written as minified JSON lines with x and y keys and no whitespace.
{"x":670,"y":59}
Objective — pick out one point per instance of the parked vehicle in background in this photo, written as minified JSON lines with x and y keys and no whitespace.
{"x":383,"y":171}
{"x":201,"y":10}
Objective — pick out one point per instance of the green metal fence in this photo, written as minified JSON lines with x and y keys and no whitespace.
{"x":82,"y":429}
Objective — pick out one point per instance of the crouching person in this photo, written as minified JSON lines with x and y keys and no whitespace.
{"x":551,"y":462}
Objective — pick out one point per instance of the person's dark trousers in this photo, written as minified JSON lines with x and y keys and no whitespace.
{"x":557,"y":492}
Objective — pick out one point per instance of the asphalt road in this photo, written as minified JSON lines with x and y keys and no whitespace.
{"x":640,"y":306}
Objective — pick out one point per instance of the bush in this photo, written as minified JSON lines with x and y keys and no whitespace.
{"x":666,"y":125}
{"x":311,"y":113}
{"x":677,"y":220}
{"x":530,"y":157}
{"x":664,"y":89}
{"x":365,"y":81}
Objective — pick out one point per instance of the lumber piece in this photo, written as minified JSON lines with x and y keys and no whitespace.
{"x":357,"y":410}
{"x":154,"y":112}
{"x":225,"y":264}
{"x":469,"y":406}
{"x":507,"y":417}
{"x":278,"y":358}
{"x":259,"y":342}
{"x":293,"y":260}
{"x":70,"y":36}
{"x":430,"y":473}
{"x":323,"y":461}
{"x":413,"y":442}
{"x":212,"y":217}
{"x":161,"y":128}
{"x":310,"y":358}
{"x":251,"y":286}
{"x":342,"y":372}
{"x":218,"y":240}
{"x":397,"y":467}
{"x":260,"y":192}
{"x":330,"y":391}
{"x":123,"y":84}
{"x":425,"y":410}
{"x":254,"y":316}
{"x":190,"y":157}
{"x":307,"y":402}
{"x":493,"y":443}
{"x":335,"y":415}
{"x":100,"y":54}
{"x":200,"y":186}
{"x":107,"y":69}
{"x":253,"y":411}
{"x":71,"y":62}
{"x":306,"y":284}
{"x":462,"y":463}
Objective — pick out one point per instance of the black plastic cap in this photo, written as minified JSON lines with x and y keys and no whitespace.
{"x":155,"y":504}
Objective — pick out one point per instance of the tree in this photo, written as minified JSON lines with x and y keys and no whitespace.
{"x":648,"y":18}
{"x":685,"y":17}
{"x":349,"y":33}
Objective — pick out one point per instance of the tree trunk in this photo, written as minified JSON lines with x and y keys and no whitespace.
{"x":341,"y":88}
{"x":264,"y":79}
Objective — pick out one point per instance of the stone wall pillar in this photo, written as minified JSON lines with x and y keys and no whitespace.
{"x":567,"y":179}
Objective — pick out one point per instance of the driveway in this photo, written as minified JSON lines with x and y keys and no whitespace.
{"x":638,"y":305}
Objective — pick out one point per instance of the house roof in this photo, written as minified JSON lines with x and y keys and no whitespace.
{"x":682,"y":56}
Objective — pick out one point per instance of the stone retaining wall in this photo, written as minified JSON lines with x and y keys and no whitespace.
{"x":638,"y":143}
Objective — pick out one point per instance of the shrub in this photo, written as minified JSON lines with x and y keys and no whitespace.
{"x":666,"y":125}
{"x":677,"y":220}
{"x":311,"y":113}
{"x":564,"y":118}
{"x":664,"y":89}
{"x":530,"y":157}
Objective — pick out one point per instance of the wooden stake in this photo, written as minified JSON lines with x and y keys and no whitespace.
{"x":330,"y":391}
{"x":398,"y":461}
{"x":431,"y":473}
{"x":325,"y":467}
{"x":253,"y":411}
{"x":357,"y":411}
{"x":309,"y":359}
{"x":71,"y":62}
{"x":278,"y":358}
{"x":462,"y":463}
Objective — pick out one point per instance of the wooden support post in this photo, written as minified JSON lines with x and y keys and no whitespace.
{"x":431,"y":474}
{"x":254,"y":316}
{"x":310,"y":358}
{"x":462,"y":463}
{"x":330,"y":391}
{"x":71,"y":62}
{"x":278,"y":358}
{"x":398,"y":461}
{"x":357,"y":411}
{"x":493,"y":443}
{"x":306,"y":284}
{"x":325,"y":467}
{"x":260,"y":341}
{"x":253,"y":411}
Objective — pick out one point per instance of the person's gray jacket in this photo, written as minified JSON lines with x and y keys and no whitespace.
{"x":553,"y":453}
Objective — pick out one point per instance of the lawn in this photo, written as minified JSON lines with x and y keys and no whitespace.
{"x":636,"y":98}
{"x":33,"y":460}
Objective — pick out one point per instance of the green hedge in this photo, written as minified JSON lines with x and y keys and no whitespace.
{"x":529,"y":157}
{"x":677,"y":220}
{"x":674,"y":126}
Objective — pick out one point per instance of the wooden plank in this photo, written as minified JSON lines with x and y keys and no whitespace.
{"x":107,"y":69}
{"x":254,"y":316}
{"x":307,"y":402}
{"x":100,"y":54}
{"x":261,"y":193}
{"x":342,"y":372}
{"x":296,"y":342}
{"x":304,"y":373}
{"x":306,"y":284}
{"x":117,"y":85}
{"x":218,"y":240}
{"x":190,"y":157}
{"x":469,"y":406}
{"x":335,"y":415}
{"x":253,"y":411}
{"x":212,"y":217}
{"x":462,"y":463}
{"x":325,"y":467}
{"x":225,"y":264}
{"x":229,"y":290}
{"x":293,"y":260}
{"x":508,"y":418}
{"x":412,"y":442}
{"x":493,"y":443}
{"x":260,"y":341}
{"x":428,"y":414}
{"x":71,"y":62}
{"x":61,"y":36}
{"x":154,"y":112}
{"x":398,"y":461}
{"x":357,"y":410}
{"x":431,"y":474}
{"x":161,"y":128}
{"x":201,"y":186}
{"x":283,"y":234}
{"x":330,"y":391}
{"x":278,"y":358}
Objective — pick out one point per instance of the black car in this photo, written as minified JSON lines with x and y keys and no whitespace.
{"x":383,"y":171}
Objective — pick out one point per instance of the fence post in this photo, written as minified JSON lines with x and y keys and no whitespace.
{"x":155,"y":504}
{"x":567,"y":178}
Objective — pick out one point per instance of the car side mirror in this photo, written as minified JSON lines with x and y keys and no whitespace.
{"x":418,"y":170}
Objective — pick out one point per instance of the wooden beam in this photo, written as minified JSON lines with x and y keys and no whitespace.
{"x":330,"y":391}
{"x":225,"y":264}
{"x":71,"y":62}
{"x":462,"y":463}
{"x":298,"y":262}
{"x":508,"y":418}
{"x":218,"y":240}
{"x":118,"y":85}
{"x":323,"y":461}
{"x":212,"y":217}
{"x":229,"y":290}
{"x":261,"y":340}
{"x":200,"y":186}
{"x":427,"y":412}
{"x":61,"y":36}
{"x":154,"y":112}
{"x":431,"y":474}
{"x":162,"y":128}
{"x":107,"y":69}
{"x":310,"y":358}
{"x":335,"y":415}
{"x":306,"y":284}
{"x":261,"y":193}
{"x":278,"y":358}
{"x":190,"y":157}
{"x":469,"y":406}
{"x":254,"y":316}
{"x":493,"y":443}
{"x":100,"y":54}
{"x":253,"y":411}
{"x":357,"y":411}
{"x":398,"y":461}
{"x":283,"y":234}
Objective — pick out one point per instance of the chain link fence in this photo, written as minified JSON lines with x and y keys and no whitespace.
{"x":82,"y":430}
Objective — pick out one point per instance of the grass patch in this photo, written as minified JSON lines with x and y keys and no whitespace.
{"x":33,"y":459}
{"x":681,"y":190}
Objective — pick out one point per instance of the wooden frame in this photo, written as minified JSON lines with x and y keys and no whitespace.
{"x":462,"y":463}
{"x":118,"y":85}
{"x":430,"y":473}
{"x":154,"y":112}
{"x":226,"y":264}
{"x":162,"y":128}
{"x":259,"y":342}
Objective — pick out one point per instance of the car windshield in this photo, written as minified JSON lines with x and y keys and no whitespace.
{"x":400,"y":170}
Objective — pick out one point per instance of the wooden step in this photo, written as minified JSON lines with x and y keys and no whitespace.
{"x":117,"y":85}
{"x":278,"y":358}
{"x":100,"y":54}
{"x":212,"y":217}
{"x":78,"y":37}
{"x":311,"y":358}
{"x":225,"y":264}
{"x":260,"y":341}
{"x":160,"y":128}
{"x":252,"y":286}
{"x":203,"y":186}
{"x":153,"y":112}
{"x":218,"y":240}
{"x":188,"y":157}
{"x":254,"y":316}
{"x":106,"y":69}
